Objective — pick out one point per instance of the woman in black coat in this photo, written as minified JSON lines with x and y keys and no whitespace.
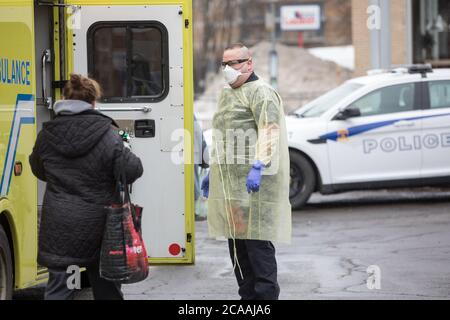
{"x":78,"y":155}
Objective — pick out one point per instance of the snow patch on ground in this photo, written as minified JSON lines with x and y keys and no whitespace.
{"x":342,"y":55}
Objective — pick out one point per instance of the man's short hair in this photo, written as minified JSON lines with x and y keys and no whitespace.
{"x":244,"y":50}
{"x":237,"y":45}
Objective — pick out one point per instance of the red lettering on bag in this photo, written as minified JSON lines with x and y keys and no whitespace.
{"x":115,"y":253}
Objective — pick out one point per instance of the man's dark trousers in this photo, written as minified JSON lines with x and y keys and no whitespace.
{"x":259,"y":269}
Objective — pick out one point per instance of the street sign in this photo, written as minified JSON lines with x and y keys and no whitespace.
{"x":300,"y":18}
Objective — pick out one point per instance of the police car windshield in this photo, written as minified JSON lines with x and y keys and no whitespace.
{"x":322,"y":104}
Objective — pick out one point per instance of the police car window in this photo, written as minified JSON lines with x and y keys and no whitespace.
{"x":398,"y":98}
{"x":322,"y":104}
{"x":439,"y":92}
{"x":128,"y":60}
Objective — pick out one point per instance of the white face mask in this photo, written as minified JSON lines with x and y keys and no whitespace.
{"x":231,"y":75}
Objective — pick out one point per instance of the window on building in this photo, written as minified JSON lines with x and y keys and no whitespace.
{"x":431,"y":32}
{"x":392,"y":99}
{"x":129,"y":60}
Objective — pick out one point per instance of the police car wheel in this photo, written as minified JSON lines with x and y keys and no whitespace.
{"x":303,"y":180}
{"x":6,"y":268}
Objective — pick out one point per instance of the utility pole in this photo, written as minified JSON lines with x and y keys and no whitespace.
{"x":271,"y":23}
{"x":380,"y":34}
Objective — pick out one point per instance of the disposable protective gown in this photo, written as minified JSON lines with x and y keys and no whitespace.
{"x":249,"y":125}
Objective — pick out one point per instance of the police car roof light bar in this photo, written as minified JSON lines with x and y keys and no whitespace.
{"x":423,"y":69}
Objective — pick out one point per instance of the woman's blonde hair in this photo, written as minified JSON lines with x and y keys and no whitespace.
{"x":82,"y":88}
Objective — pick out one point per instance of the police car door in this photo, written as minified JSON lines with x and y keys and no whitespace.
{"x":436,"y":129}
{"x":378,"y":145}
{"x":137,"y":54}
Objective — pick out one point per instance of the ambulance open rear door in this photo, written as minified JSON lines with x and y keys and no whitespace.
{"x":141,"y":56}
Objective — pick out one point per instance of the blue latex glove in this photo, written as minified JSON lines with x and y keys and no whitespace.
{"x":205,"y":186}
{"x":254,"y":177}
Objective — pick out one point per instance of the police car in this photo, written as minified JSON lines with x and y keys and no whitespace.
{"x":388,"y":129}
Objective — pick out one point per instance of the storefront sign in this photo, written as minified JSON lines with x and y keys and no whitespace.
{"x":301,"y":17}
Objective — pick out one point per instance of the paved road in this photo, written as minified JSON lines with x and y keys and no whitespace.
{"x":335,"y":238}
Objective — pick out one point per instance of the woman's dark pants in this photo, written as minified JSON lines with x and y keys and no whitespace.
{"x":58,"y":289}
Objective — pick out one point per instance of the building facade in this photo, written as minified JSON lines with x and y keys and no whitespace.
{"x":418,"y":31}
{"x":218,"y":23}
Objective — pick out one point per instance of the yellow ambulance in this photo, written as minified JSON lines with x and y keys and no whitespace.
{"x":140,"y":51}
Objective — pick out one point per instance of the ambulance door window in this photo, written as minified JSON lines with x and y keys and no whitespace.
{"x":110,"y":61}
{"x":146,"y":62}
{"x":129,"y":60}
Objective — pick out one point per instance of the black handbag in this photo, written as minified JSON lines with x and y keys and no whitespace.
{"x":123,"y":255}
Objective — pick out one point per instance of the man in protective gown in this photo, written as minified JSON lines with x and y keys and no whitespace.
{"x":248,"y":184}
